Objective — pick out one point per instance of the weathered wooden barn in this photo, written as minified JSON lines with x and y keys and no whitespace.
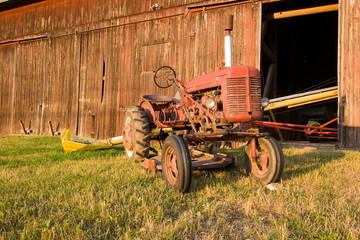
{"x":81,"y":63}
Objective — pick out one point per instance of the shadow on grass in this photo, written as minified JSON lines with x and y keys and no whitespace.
{"x":305,"y":162}
{"x":296,"y":164}
{"x":224,"y":176}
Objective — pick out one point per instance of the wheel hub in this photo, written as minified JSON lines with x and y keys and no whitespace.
{"x":171,"y":166}
{"x":128,"y":142}
{"x":259,"y":159}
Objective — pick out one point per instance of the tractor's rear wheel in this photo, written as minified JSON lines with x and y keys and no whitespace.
{"x":136,"y":134}
{"x":176,"y":163}
{"x":264,"y":160}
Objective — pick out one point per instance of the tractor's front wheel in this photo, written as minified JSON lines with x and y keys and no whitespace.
{"x":136,"y":134}
{"x":264,"y":160}
{"x":176,"y":163}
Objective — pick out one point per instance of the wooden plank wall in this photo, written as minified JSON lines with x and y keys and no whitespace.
{"x":29,"y":85}
{"x":7,"y":77}
{"x":51,"y":15}
{"x":85,"y":78}
{"x":61,"y":82}
{"x":205,"y":38}
{"x":349,"y":74}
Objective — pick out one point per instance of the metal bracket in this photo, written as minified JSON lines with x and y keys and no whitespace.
{"x":56,"y":132}
{"x":26,"y":131}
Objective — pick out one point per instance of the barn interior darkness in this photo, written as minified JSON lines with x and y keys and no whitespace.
{"x":303,"y":50}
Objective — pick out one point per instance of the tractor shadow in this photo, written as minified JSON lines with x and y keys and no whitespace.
{"x":297,"y":162}
{"x":224,"y":176}
{"x":302,"y":161}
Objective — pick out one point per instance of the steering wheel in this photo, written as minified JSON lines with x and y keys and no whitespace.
{"x":164,"y":77}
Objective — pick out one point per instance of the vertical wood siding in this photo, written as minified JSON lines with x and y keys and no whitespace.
{"x":50,"y":15}
{"x":349,"y":74}
{"x":86,"y":80}
{"x":40,"y":79}
{"x":60,"y":97}
{"x":92,"y":55}
{"x":7,"y":77}
{"x":205,"y":38}
{"x":29,"y":85}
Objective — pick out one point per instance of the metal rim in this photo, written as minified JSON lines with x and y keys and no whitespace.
{"x":260,"y":165}
{"x":170,"y":163}
{"x":128,"y":137}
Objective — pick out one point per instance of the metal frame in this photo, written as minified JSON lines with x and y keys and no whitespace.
{"x":321,"y":132}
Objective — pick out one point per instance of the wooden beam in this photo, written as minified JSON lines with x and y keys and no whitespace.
{"x":269,"y":55}
{"x":269,"y":80}
{"x":306,"y":11}
{"x":298,"y":101}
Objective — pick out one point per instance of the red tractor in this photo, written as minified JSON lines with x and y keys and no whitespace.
{"x":218,"y":106}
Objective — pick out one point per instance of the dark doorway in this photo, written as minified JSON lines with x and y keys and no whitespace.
{"x":299,"y":54}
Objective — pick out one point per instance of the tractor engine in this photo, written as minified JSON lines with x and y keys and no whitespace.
{"x":231,"y":95}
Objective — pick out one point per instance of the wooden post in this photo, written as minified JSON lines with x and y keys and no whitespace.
{"x":306,"y":11}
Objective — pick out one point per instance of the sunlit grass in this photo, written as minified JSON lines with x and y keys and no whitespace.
{"x":45,"y":193}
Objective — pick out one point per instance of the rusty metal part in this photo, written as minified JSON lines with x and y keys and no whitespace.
{"x":150,"y":165}
{"x":229,"y":19}
{"x":233,"y":136}
{"x":25,"y":131}
{"x":259,"y":158}
{"x":170,"y":163}
{"x":199,"y":160}
{"x":164,"y":77}
{"x":56,"y":131}
{"x":128,"y":141}
{"x":310,"y":131}
{"x":158,"y":99}
{"x":186,"y":110}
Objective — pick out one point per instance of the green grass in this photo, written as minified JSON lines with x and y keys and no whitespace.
{"x":45,"y":193}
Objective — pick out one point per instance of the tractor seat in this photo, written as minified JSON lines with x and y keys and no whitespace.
{"x":158,"y":99}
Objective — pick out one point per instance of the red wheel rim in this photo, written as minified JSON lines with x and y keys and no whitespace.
{"x":128,"y":141}
{"x":260,"y":164}
{"x":170,"y":163}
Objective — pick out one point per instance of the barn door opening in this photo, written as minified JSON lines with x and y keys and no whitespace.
{"x":299,"y":54}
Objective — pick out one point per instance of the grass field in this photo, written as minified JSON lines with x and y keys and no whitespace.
{"x":45,"y":193}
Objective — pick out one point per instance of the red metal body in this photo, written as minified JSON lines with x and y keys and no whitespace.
{"x":234,"y":92}
{"x":240,"y":91}
{"x":219,"y":106}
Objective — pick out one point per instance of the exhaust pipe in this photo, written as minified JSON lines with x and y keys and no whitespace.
{"x":228,"y":42}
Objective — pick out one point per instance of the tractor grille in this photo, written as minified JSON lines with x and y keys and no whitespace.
{"x":237,"y":90}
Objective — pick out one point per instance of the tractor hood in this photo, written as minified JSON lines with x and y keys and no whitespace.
{"x":212,"y":80}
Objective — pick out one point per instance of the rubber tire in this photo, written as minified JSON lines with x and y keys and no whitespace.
{"x":140,"y":133}
{"x":280,"y":156}
{"x":276,"y":161}
{"x":184,"y":167}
